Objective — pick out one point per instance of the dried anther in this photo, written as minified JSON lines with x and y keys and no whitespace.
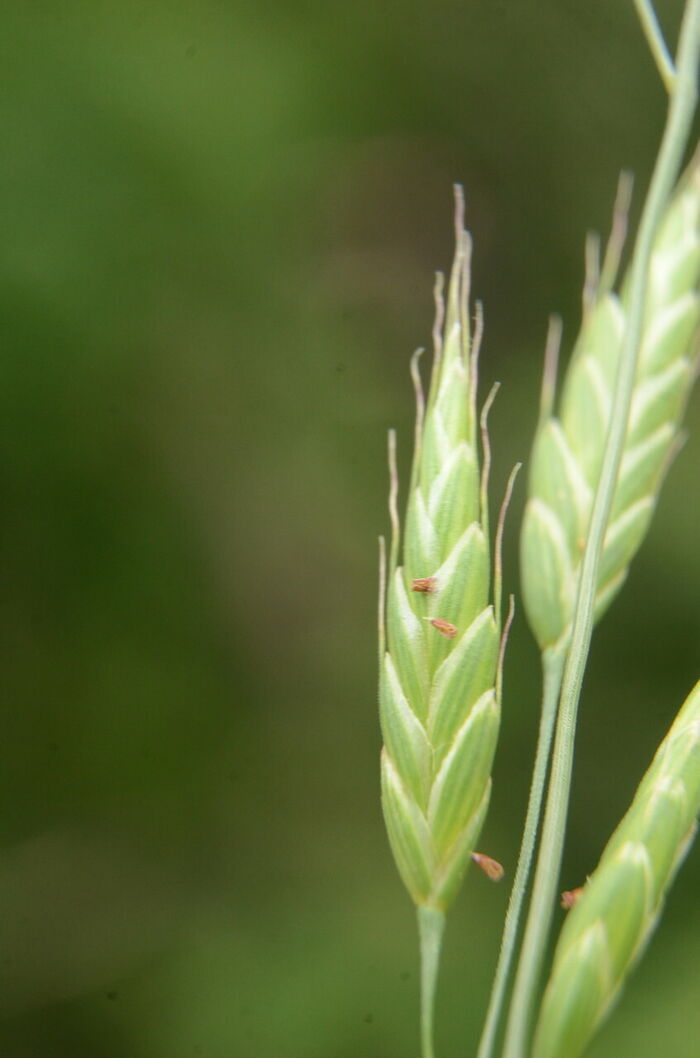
{"x":426,"y":585}
{"x":445,"y":628}
{"x":491,"y":868}
{"x":570,"y":896}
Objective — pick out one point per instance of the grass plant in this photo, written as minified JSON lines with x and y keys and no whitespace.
{"x":441,"y":639}
{"x":594,"y":481}
{"x":625,"y":427}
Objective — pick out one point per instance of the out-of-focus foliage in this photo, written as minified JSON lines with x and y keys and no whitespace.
{"x":219,"y":225}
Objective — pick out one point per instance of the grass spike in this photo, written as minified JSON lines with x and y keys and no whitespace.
{"x":623,"y":898}
{"x":563,"y":476}
{"x":442,"y":644}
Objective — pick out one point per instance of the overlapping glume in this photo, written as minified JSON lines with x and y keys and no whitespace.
{"x":607,"y":929}
{"x":439,"y":706}
{"x":569,"y":448}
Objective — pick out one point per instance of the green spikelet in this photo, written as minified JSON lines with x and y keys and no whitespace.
{"x":607,"y":929}
{"x":569,"y":449}
{"x":439,"y":704}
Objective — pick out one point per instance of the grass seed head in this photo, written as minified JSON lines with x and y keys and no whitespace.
{"x":439,"y":706}
{"x":610,"y":923}
{"x":569,"y":448}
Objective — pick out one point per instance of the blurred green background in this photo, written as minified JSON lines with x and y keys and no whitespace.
{"x":220,"y":222}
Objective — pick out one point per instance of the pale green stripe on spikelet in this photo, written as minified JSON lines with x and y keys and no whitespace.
{"x":607,"y":929}
{"x":569,"y":448}
{"x":439,"y":708}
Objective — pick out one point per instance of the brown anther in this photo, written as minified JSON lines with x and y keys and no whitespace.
{"x":491,"y":868}
{"x":449,"y":631}
{"x":569,"y":897}
{"x":426,"y":585}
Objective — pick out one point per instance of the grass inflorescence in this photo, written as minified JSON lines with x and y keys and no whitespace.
{"x":597,"y":468}
{"x":611,"y":920}
{"x":569,"y":448}
{"x":441,"y":638}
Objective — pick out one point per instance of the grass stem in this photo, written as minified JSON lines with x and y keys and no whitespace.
{"x":680,"y":114}
{"x":552,"y":668}
{"x":431,"y":925}
{"x":656,"y":42}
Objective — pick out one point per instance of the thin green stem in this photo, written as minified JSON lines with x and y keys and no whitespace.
{"x":431,"y":925}
{"x":680,"y":115}
{"x":656,"y":42}
{"x":552,"y":669}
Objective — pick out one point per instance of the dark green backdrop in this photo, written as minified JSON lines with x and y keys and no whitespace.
{"x":219,"y":225}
